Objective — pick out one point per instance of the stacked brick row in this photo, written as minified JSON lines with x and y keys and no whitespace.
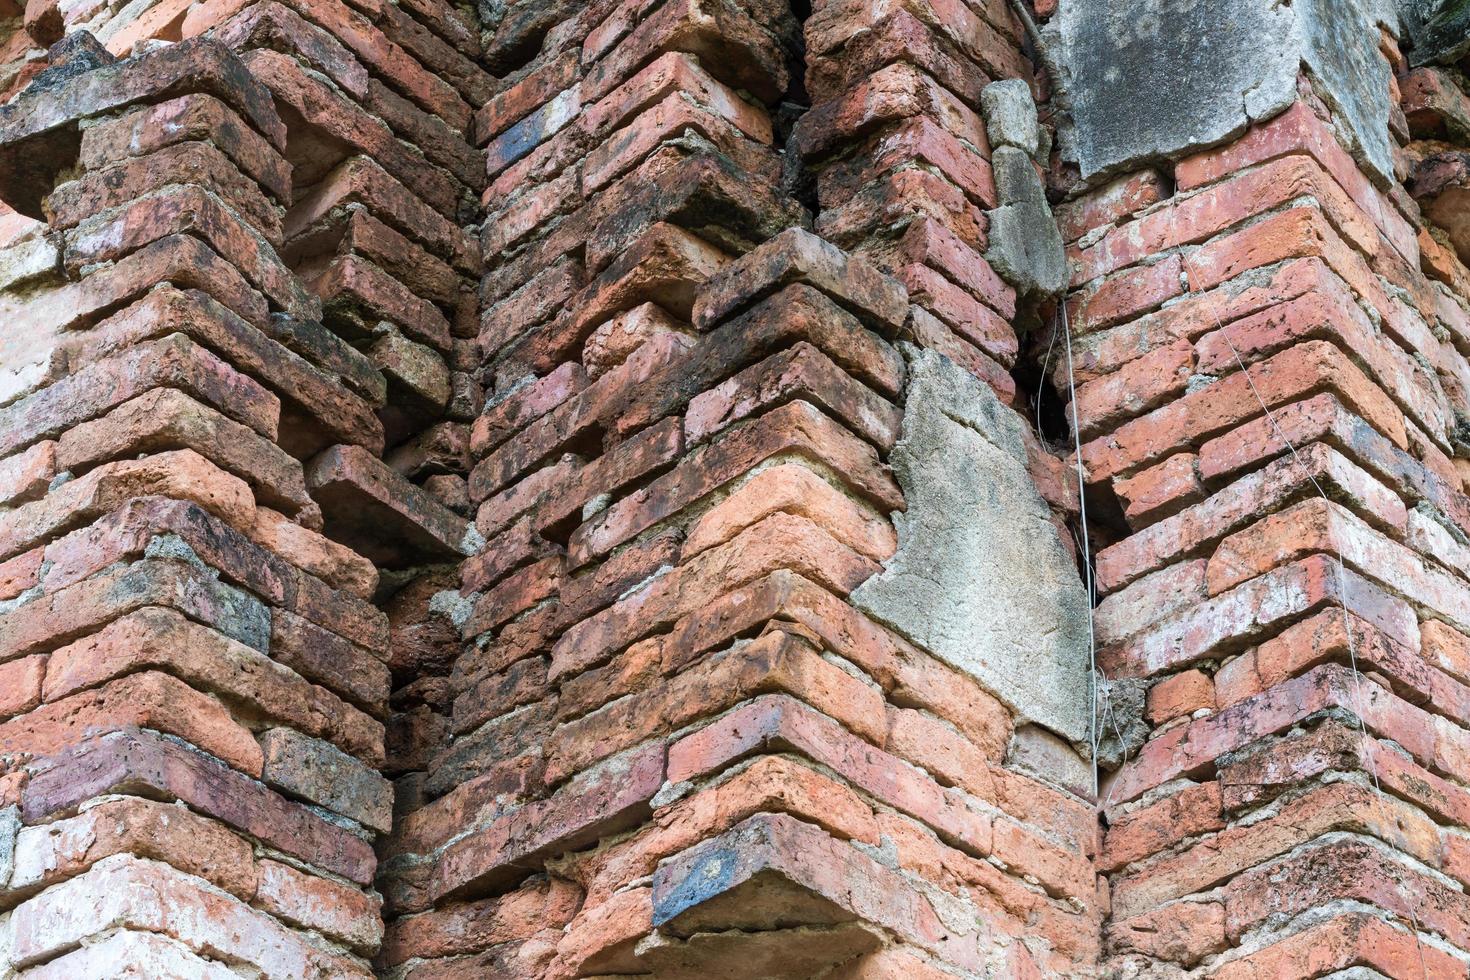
{"x":234,"y":414}
{"x":1291,"y":583}
{"x":676,"y":746}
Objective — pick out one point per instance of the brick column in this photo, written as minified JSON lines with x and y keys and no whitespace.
{"x":679,"y":745}
{"x":193,"y":674}
{"x":236,"y":399}
{"x":1259,"y":329}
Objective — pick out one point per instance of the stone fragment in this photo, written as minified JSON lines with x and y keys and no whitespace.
{"x":1010,"y":116}
{"x":1140,"y":93}
{"x":1025,"y":246}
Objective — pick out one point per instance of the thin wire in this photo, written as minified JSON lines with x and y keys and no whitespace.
{"x":1347,"y":624}
{"x":1045,"y":366}
{"x":1342,"y":592}
{"x":1086,"y":543}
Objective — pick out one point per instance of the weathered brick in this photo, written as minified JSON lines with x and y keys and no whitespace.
{"x":145,"y":894}
{"x":799,"y":256}
{"x":161,"y":639}
{"x":145,"y":700}
{"x":170,"y":770}
{"x":189,"y":209}
{"x":313,"y":403}
{"x":144,"y":828}
{"x":166,"y":419}
{"x":597,"y":803}
{"x":795,"y":428}
{"x":359,"y":494}
{"x":1293,"y":373}
{"x":683,"y":473}
{"x":173,"y":361}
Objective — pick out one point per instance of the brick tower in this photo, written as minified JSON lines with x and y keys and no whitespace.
{"x":741,"y":489}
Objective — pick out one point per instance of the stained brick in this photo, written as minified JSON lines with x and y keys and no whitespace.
{"x":633,"y":284}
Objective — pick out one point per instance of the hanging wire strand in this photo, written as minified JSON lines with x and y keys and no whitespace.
{"x":1347,"y":625}
{"x":1095,"y":728}
{"x":1045,"y":367}
{"x":1060,"y":96}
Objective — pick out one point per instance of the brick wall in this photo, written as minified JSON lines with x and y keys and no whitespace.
{"x":1271,"y":364}
{"x":586,"y":488}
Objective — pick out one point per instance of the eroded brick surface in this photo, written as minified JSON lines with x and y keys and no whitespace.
{"x":439,"y":448}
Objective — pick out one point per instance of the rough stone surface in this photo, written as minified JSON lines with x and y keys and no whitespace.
{"x":9,"y":832}
{"x":1341,"y":52}
{"x":1155,"y":78}
{"x":1439,"y":29}
{"x":1160,"y":78}
{"x":980,"y":576}
{"x":1025,"y":246}
{"x":1010,"y":116}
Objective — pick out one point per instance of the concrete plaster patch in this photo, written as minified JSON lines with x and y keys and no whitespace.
{"x":981,"y":578}
{"x":1025,"y":247}
{"x":1156,"y":79}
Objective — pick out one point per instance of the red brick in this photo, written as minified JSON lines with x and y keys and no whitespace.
{"x":817,"y":863}
{"x":1298,"y":130}
{"x":327,"y":389}
{"x":1126,"y":295}
{"x":1291,"y":374}
{"x":598,"y":802}
{"x":162,"y":639}
{"x":1179,"y":695}
{"x":776,"y":662}
{"x":473,"y":926}
{"x":190,"y":163}
{"x":145,"y":895}
{"x":1108,"y":205}
{"x":919,"y":140}
{"x":189,"y":209}
{"x":1196,"y":218}
{"x":797,"y":426}
{"x":1352,"y":939}
{"x":146,"y":700}
{"x":729,"y":43}
{"x":360,"y":180}
{"x":900,"y":37}
{"x":182,"y":474}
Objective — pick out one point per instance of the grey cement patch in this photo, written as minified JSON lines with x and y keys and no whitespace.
{"x":1041,"y":754}
{"x":1340,"y":48}
{"x":9,"y":833}
{"x":1121,"y":728}
{"x":981,"y":578}
{"x":1025,"y":246}
{"x":1151,"y":78}
{"x":1155,"y":79}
